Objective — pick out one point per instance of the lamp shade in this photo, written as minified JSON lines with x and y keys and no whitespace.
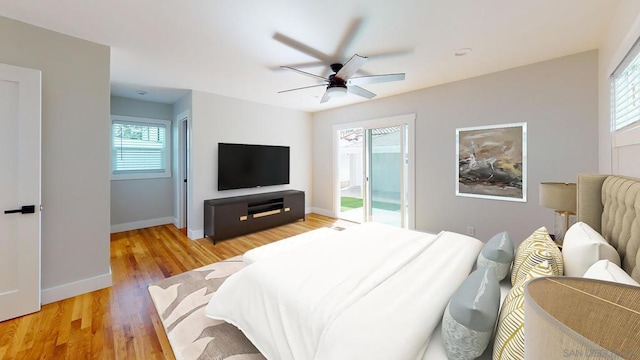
{"x":558,"y":196}
{"x":577,"y":318}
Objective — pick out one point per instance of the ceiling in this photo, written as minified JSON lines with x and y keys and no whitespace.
{"x":230,"y":47}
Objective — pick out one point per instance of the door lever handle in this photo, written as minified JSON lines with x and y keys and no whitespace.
{"x":26,"y":209}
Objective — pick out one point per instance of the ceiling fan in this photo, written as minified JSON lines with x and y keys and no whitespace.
{"x":342,"y":80}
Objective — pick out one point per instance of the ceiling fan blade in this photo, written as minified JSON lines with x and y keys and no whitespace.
{"x":301,"y":65}
{"x":301,"y":88}
{"x":305,"y":49}
{"x":389,"y":54}
{"x":357,"y":90}
{"x":348,"y":38}
{"x":373,"y":79}
{"x":304,"y":73}
{"x":351,"y":67}
{"x":325,"y":97}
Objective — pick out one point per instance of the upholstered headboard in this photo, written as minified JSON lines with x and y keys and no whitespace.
{"x":610,"y":204}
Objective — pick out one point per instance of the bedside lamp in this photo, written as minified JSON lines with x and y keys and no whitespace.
{"x":560,"y":197}
{"x":604,"y":325}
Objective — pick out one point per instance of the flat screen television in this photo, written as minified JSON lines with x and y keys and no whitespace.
{"x":243,"y":166}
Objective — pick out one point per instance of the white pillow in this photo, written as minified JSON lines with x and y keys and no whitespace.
{"x":582,"y":247}
{"x":608,"y":271}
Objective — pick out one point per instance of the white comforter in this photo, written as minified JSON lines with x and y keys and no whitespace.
{"x":369,"y":292}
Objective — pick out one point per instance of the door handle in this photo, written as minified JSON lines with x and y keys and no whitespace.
{"x":26,"y":209}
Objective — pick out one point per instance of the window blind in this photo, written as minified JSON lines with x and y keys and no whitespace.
{"x":625,"y":90}
{"x":138,"y":147}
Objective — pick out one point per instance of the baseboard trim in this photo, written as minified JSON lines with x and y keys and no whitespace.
{"x":195,"y":234}
{"x":142,"y":224}
{"x":323,"y":212}
{"x":76,"y":288}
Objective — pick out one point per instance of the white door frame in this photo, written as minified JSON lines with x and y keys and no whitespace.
{"x":183,"y":192}
{"x":25,"y":296}
{"x":409,"y":120}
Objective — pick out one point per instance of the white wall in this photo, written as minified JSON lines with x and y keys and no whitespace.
{"x":75,"y":154}
{"x":558,"y":100}
{"x":141,"y":203}
{"x":624,"y":31}
{"x":217,"y":119}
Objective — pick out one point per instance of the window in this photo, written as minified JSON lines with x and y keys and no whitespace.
{"x":140,"y":148}
{"x":625,"y":114}
{"x":625,"y":90}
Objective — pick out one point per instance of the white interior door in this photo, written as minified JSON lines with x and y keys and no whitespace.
{"x":19,"y":190}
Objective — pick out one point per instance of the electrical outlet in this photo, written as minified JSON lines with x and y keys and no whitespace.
{"x":471,"y":231}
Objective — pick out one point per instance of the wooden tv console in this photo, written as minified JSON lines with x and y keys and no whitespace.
{"x":234,"y":216}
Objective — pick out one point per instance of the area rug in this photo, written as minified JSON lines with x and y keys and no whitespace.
{"x":181,"y":301}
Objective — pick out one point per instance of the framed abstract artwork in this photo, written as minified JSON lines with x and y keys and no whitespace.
{"x":492,"y":162}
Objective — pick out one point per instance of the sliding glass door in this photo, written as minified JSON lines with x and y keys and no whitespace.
{"x":374,"y":167}
{"x":387,"y":173}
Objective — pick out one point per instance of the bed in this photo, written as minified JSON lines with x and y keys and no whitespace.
{"x":610,"y":204}
{"x":333,"y":306}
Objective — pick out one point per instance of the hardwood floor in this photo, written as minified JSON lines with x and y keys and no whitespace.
{"x":120,"y":322}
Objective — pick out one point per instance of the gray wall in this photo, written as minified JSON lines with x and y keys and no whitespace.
{"x":141,"y":202}
{"x":75,"y":154}
{"x":557,"y":99}
{"x":217,"y":119}
{"x":138,"y":108}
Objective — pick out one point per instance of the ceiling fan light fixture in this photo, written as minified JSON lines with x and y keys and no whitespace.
{"x":337,"y":84}
{"x":337,"y":91}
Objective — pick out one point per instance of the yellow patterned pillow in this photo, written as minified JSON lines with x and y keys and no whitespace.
{"x":536,"y":248}
{"x":509,"y":341}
